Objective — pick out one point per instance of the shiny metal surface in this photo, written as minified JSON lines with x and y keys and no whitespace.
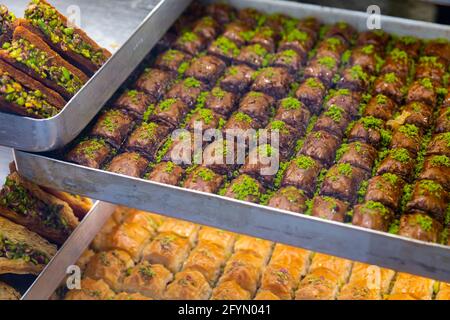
{"x":43,"y":135}
{"x":347,"y":241}
{"x":55,"y":272}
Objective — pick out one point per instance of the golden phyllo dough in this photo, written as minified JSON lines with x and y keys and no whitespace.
{"x":91,"y":290}
{"x":109,"y":266}
{"x":230,"y":290}
{"x":188,"y":285}
{"x":167,"y":249}
{"x":208,"y":259}
{"x":147,"y":279}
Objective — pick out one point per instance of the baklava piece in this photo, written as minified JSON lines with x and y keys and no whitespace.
{"x":390,"y":85}
{"x":170,"y":112}
{"x":380,"y":106}
{"x":343,"y":181}
{"x":237,"y":32}
{"x":418,"y":287}
{"x":343,"y":30}
{"x":188,"y":285}
{"x":443,"y":119}
{"x":244,"y":268}
{"x":272,"y":81}
{"x":265,"y":37}
{"x":187,"y":90}
{"x":332,"y":47}
{"x":128,"y":163}
{"x":386,"y":189}
{"x":422,"y":90}
{"x":293,"y":112}
{"x":237,"y":79}
{"x":378,"y":38}
{"x":311,"y":93}
{"x":154,"y":82}
{"x":220,"y":158}
{"x":321,"y":284}
{"x":204,"y":119}
{"x":147,"y":279}
{"x":321,"y":146}
{"x":286,"y":135}
{"x":134,"y":102}
{"x":407,"y":136}
{"x":113,"y":126}
{"x":418,"y":114}
{"x":354,"y":78}
{"x":147,"y":138}
{"x":302,"y":173}
{"x":221,"y":12}
{"x":230,"y":290}
{"x":344,"y":99}
{"x":321,"y":68}
{"x":439,"y":145}
{"x":410,"y":45}
{"x":329,"y":208}
{"x":110,"y":266}
{"x":297,"y":40}
{"x":91,"y":290}
{"x":203,"y":179}
{"x":181,"y":228}
{"x":224,"y":48}
{"x":245,"y":188}
{"x":167,"y":249}
{"x":290,"y":199}
{"x":254,"y":56}
{"x":439,"y":48}
{"x":334,"y":120}
{"x":358,"y":154}
{"x":288,"y":59}
{"x":208,"y":259}
{"x":437,"y":168}
{"x":397,"y":62}
{"x":367,"y":130}
{"x":420,"y":226}
{"x":170,"y":60}
{"x":207,"y":28}
{"x":217,"y":237}
{"x":206,"y":69}
{"x":432,"y":68}
{"x":372,"y":215}
{"x":190,"y":42}
{"x":430,"y":197}
{"x":90,"y":153}
{"x":221,"y":102}
{"x":257,"y":105}
{"x":262,"y":164}
{"x":398,"y":162}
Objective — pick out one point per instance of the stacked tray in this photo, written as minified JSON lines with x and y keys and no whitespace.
{"x":119,"y":139}
{"x":38,"y":135}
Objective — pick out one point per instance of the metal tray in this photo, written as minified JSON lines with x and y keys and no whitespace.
{"x":55,"y":271}
{"x":383,"y":249}
{"x":38,"y":135}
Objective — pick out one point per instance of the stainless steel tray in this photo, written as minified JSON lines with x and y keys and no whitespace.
{"x":55,"y":271}
{"x":38,"y":135}
{"x":391,"y":251}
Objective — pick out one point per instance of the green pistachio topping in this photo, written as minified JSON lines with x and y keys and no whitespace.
{"x":246,"y":187}
{"x":46,"y":18}
{"x":26,"y":53}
